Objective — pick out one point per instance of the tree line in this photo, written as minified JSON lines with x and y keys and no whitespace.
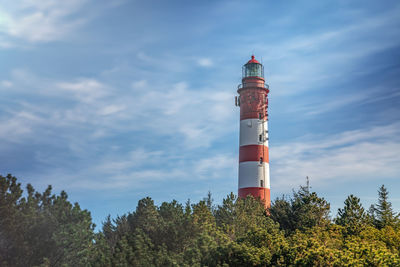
{"x":45,"y":229}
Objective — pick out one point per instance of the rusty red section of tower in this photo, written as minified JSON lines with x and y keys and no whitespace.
{"x":253,"y":141}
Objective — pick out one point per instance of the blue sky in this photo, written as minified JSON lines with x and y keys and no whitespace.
{"x":114,"y":101}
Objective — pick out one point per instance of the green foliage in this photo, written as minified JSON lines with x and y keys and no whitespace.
{"x":352,"y":216}
{"x":43,"y":229}
{"x":382,"y":212}
{"x":302,"y":211}
{"x":325,"y":246}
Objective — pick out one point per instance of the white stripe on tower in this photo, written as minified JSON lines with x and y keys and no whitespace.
{"x":251,"y":174}
{"x":253,"y":132}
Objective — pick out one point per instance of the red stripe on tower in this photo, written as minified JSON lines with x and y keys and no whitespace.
{"x":253,"y":153}
{"x":253,"y":147}
{"x":262,"y":193}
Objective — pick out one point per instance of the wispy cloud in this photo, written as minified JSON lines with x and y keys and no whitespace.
{"x":77,"y":113}
{"x":85,"y":90}
{"x":205,"y":62}
{"x":40,"y":21}
{"x":311,"y":107}
{"x":164,"y":109}
{"x":44,"y":21}
{"x":141,"y":168}
{"x":5,"y":84}
{"x":370,"y":153}
{"x":310,"y":61}
{"x":19,"y":125}
{"x":215,"y":167}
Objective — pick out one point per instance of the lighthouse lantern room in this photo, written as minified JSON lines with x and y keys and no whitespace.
{"x":253,"y":141}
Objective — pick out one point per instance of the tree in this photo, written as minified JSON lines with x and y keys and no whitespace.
{"x":383,"y":212}
{"x":246,"y":236}
{"x":42,"y":228}
{"x":225,"y":213}
{"x":146,"y":217}
{"x":352,"y":216}
{"x":281,"y":212}
{"x":302,"y":211}
{"x":174,"y":232}
{"x":236,"y":215}
{"x":209,"y":201}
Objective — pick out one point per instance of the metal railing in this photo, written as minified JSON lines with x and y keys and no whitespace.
{"x":240,"y":86}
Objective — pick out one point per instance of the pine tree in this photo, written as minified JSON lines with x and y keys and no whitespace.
{"x":42,"y":228}
{"x":302,"y":211}
{"x":352,"y":216}
{"x":384,"y":214}
{"x":281,"y":212}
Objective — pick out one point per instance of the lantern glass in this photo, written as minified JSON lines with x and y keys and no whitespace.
{"x":253,"y":70}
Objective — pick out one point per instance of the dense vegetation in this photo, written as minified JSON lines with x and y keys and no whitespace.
{"x":43,"y":229}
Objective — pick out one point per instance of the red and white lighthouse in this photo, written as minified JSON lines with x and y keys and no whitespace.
{"x":253,"y":144}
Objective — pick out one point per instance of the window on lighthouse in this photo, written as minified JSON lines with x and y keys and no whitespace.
{"x":260,"y":138}
{"x":261,"y":160}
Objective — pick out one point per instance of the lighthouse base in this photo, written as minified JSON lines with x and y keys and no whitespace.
{"x":257,"y":192}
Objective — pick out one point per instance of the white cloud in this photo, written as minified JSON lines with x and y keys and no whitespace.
{"x":111,"y":109}
{"x":131,"y":180}
{"x":115,"y":163}
{"x":205,"y":62}
{"x":6,"y":84}
{"x":198,"y":117}
{"x":85,"y":90}
{"x":215,"y":166}
{"x":370,"y":153}
{"x":310,"y":61}
{"x":40,"y":21}
{"x":140,"y":84}
{"x":141,"y":168}
{"x":76,"y":113}
{"x":366,"y":96}
{"x":131,"y":172}
{"x":18,"y":125}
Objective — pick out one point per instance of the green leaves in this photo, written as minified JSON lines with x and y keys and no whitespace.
{"x":43,"y":229}
{"x":352,"y":216}
{"x":382,"y":212}
{"x":302,"y":211}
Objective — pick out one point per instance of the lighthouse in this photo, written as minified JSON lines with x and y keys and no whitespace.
{"x":253,"y":141}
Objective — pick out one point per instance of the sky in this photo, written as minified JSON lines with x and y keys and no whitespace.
{"x":116,"y":100}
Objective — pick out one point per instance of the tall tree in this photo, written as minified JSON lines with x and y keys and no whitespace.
{"x":281,"y":212}
{"x":309,"y":209}
{"x":302,"y":211}
{"x":384,"y":214}
{"x":225,"y":213}
{"x":352,"y":216}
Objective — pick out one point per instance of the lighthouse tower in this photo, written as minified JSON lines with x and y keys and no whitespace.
{"x":253,"y":144}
